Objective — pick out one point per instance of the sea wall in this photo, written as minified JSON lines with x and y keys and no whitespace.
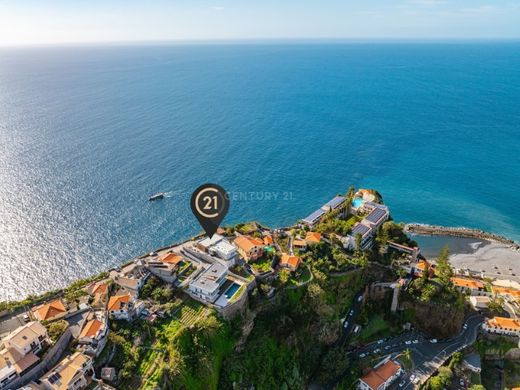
{"x":434,"y":230}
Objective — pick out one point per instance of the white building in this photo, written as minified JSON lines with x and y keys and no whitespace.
{"x":381,"y":376}
{"x":131,"y":277}
{"x":218,"y":246}
{"x":366,"y":233}
{"x":94,"y":335}
{"x":19,"y":349}
{"x":122,"y":307}
{"x":206,"y":286}
{"x":502,"y":325}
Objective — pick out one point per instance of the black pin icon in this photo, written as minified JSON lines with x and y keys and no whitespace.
{"x":210,"y":204}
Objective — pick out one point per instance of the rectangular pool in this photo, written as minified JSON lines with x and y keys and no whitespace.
{"x":232,"y":290}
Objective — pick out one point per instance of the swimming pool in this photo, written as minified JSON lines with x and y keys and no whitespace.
{"x":232,"y":290}
{"x":269,"y":249}
{"x":357,"y":202}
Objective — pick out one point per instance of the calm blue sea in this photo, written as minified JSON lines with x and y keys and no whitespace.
{"x":88,"y":133}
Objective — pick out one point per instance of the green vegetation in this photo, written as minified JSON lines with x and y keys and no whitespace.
{"x":173,"y":353}
{"x":56,"y":329}
{"x":156,"y":290}
{"x":440,"y":381}
{"x":326,"y":259}
{"x":263,"y":264}
{"x":494,"y":346}
{"x":438,"y":306}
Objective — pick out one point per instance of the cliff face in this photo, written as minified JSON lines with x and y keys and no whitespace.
{"x":439,"y":321}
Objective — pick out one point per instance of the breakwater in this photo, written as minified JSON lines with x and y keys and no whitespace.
{"x":434,"y":230}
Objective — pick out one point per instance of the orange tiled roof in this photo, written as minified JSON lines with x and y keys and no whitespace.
{"x":300,"y":243}
{"x":100,"y":288}
{"x":171,"y":258}
{"x":313,"y":237}
{"x":293,"y":261}
{"x":506,"y":291}
{"x":50,"y":310}
{"x":115,"y":302}
{"x":503,"y":322}
{"x":268,"y":240}
{"x":422,"y":265}
{"x":468,"y":283}
{"x":247,"y":243}
{"x":91,"y":328}
{"x":375,"y":378}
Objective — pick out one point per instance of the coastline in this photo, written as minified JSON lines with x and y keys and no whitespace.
{"x":503,"y":245}
{"x":437,"y":230}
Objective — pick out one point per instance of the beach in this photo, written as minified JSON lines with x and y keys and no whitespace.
{"x":496,"y":260}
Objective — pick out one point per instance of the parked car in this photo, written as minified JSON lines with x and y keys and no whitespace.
{"x":362,"y":355}
{"x":345,"y":324}
{"x":26,"y":318}
{"x":402,"y":383}
{"x":360,"y":298}
{"x":465,"y":326}
{"x":433,"y":341}
{"x":407,"y":342}
{"x":415,"y":341}
{"x":380,"y":341}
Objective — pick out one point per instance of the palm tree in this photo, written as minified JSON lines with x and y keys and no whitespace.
{"x":407,"y":358}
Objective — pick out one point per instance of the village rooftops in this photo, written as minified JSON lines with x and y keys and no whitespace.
{"x":247,"y":243}
{"x":467,"y":283}
{"x":91,"y":329}
{"x":299,"y":243}
{"x":504,"y":323}
{"x":290,"y":261}
{"x":25,"y":334}
{"x":313,"y":237}
{"x":171,"y":258}
{"x":61,"y":376}
{"x":268,"y":240}
{"x":506,"y":291}
{"x":210,"y":279}
{"x":380,"y":375}
{"x":118,"y":302}
{"x":50,"y":310}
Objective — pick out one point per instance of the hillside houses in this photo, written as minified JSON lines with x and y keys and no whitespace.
{"x":19,"y":351}
{"x":72,"y":373}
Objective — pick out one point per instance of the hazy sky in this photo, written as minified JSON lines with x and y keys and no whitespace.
{"x":59,"y":21}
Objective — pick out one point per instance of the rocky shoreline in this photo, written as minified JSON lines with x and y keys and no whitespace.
{"x":434,"y":230}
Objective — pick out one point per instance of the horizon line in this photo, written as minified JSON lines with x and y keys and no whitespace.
{"x":225,"y":41}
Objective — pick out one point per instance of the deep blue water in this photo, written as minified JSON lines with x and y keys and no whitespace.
{"x":88,"y":133}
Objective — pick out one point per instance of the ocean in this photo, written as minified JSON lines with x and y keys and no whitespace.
{"x":88,"y":133}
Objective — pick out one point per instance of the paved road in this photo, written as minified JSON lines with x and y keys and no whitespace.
{"x":8,"y":324}
{"x":427,"y":356}
{"x":350,"y":319}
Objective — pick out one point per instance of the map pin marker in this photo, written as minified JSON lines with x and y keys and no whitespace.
{"x":210,"y":204}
